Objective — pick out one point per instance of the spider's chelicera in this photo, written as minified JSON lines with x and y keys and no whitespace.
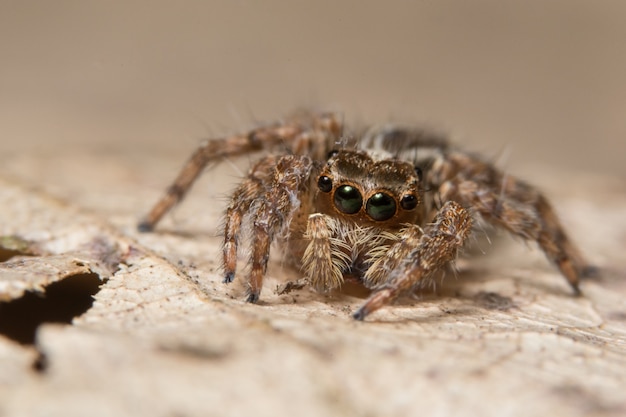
{"x":390,"y":206}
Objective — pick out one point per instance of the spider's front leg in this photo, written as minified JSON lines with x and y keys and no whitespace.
{"x":438,"y":245}
{"x":269,"y":198}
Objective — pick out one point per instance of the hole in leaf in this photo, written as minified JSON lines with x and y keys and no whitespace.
{"x":40,"y":364}
{"x":59,"y":303}
{"x":11,"y":246}
{"x":6,"y":254}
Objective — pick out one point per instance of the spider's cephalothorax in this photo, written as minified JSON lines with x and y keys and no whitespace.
{"x":363,"y":205}
{"x":360,"y":189}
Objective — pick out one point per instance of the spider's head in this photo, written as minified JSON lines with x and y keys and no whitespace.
{"x":368,"y":189}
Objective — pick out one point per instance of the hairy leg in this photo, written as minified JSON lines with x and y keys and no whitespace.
{"x":437,"y":247}
{"x":515,"y":206}
{"x":304,"y":134}
{"x":242,"y":198}
{"x":270,"y":210}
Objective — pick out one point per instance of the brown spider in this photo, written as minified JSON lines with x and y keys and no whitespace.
{"x":389,"y":206}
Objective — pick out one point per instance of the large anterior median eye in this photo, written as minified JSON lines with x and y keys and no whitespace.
{"x":381,"y":206}
{"x":348,"y":199}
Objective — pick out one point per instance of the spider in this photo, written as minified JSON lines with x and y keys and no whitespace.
{"x":388,"y":206}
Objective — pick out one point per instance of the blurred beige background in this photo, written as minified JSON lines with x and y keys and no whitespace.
{"x":544,"y":80}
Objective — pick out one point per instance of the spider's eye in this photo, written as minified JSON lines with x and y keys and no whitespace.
{"x":348,"y":199}
{"x":419,"y":173}
{"x":325,"y":184}
{"x":332,"y":153}
{"x":408,"y":202}
{"x":381,"y":206}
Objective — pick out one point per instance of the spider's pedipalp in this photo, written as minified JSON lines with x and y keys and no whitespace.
{"x":385,"y":262}
{"x":326,"y":257}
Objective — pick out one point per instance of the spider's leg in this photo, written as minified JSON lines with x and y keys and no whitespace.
{"x":300,"y":135}
{"x":253,"y":187}
{"x":273,"y":211}
{"x":437,"y":247}
{"x":210,"y":152}
{"x":521,"y":209}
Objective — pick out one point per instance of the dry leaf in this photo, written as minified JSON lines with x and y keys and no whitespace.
{"x":165,"y":337}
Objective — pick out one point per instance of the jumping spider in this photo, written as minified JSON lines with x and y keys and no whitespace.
{"x":387,"y":206}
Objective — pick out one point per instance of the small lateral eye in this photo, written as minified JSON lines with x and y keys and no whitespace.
{"x":332,"y":153}
{"x":348,"y":199}
{"x":408,"y":202}
{"x":381,"y":206}
{"x":419,"y":173}
{"x":325,"y":184}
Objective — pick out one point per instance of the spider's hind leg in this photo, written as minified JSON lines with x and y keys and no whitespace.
{"x":510,"y":203}
{"x":307,"y":134}
{"x":203,"y":156}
